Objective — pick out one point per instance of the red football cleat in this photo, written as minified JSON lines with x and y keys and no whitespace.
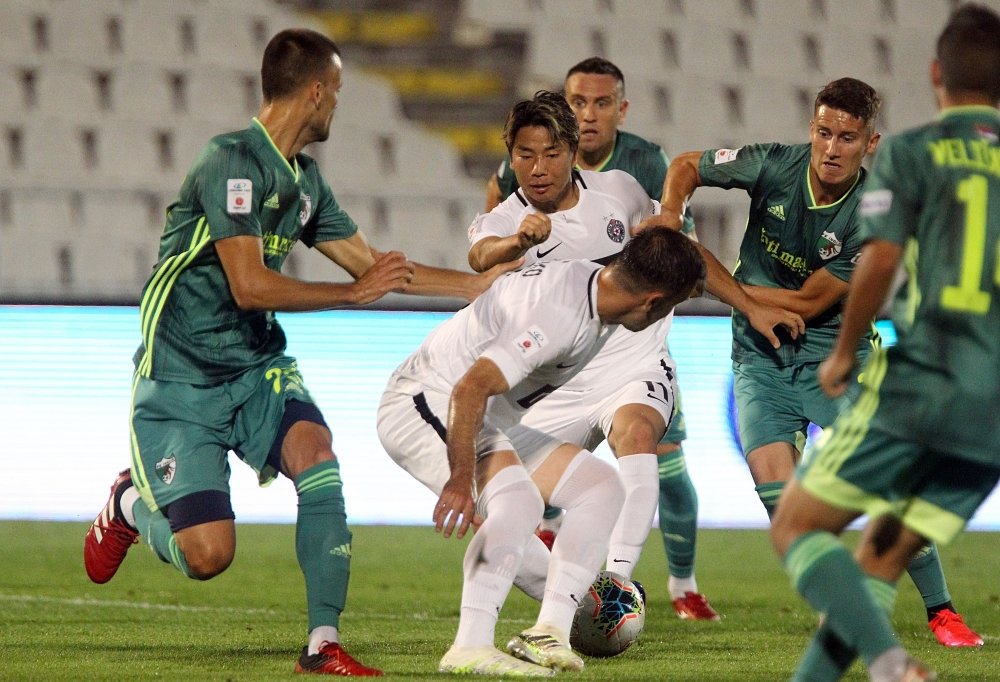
{"x":547,"y":537}
{"x":951,"y":630}
{"x":109,"y":537}
{"x":695,"y":606}
{"x":333,"y":660}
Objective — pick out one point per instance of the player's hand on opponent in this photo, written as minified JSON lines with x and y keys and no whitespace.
{"x":835,"y":373}
{"x":534,"y":229}
{"x":764,"y":318}
{"x":486,"y":278}
{"x":455,"y":507}
{"x":391,"y":271}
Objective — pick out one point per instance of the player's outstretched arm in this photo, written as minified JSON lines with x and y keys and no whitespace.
{"x":256,"y":287}
{"x":680,"y":183}
{"x":869,"y":287}
{"x":356,"y":255}
{"x":820,"y":291}
{"x":466,"y":410}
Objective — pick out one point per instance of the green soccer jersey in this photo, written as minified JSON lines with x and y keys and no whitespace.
{"x":936,"y":191}
{"x":640,"y":158}
{"x":787,"y":238}
{"x":192,"y":329}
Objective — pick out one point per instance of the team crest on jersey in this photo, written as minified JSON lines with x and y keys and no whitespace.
{"x":616,"y":230}
{"x":530,"y":342}
{"x":166,"y":468}
{"x":305,"y":210}
{"x":829,"y":245}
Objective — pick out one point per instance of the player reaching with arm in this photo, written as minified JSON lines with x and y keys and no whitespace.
{"x":800,"y":248}
{"x":212,"y":373}
{"x":918,"y":450}
{"x":447,"y":411}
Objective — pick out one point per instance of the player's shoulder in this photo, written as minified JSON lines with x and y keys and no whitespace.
{"x":613,"y":182}
{"x":631,"y":141}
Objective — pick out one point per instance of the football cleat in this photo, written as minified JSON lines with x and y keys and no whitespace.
{"x":109,"y":537}
{"x":694,"y":606}
{"x":333,"y":660}
{"x":487,"y":660}
{"x":951,"y":630}
{"x":547,"y":537}
{"x":542,"y":647}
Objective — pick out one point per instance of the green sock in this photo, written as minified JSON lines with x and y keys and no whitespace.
{"x":678,"y":514}
{"x":155,"y":528}
{"x":928,"y":575}
{"x":769,"y":494}
{"x":551,"y":512}
{"x":824,"y":573}
{"x":323,"y":542}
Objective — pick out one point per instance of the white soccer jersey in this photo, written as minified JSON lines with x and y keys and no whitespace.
{"x":538,"y":324}
{"x":611,"y":203}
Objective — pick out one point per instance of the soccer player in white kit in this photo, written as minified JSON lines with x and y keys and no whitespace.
{"x":446,"y":411}
{"x":626,"y":394}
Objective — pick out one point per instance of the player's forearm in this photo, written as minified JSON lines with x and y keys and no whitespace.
{"x":277,"y":292}
{"x":680,"y":183}
{"x":431,"y":281}
{"x":721,"y":284}
{"x":491,"y":251}
{"x":794,"y":300}
{"x":869,"y":288}
{"x":466,"y":411}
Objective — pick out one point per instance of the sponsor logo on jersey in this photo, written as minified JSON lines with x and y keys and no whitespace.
{"x":272,"y":202}
{"x":616,"y":230}
{"x":239,"y":196}
{"x":725,"y":155}
{"x":166,"y":468}
{"x":829,"y":245}
{"x":876,"y":202}
{"x":530,"y":342}
{"x":305,"y":210}
{"x":777,"y":211}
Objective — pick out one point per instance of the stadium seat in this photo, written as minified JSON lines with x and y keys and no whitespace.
{"x":226,"y":96}
{"x":25,"y":30}
{"x":501,"y":16}
{"x":149,"y":92}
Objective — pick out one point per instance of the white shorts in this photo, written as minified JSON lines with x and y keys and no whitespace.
{"x":412,"y":429}
{"x":583,"y":415}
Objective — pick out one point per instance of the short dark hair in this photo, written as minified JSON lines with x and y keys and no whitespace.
{"x":293,"y":58}
{"x":853,"y":96}
{"x":660,"y":259}
{"x":547,"y":110}
{"x":601,"y":67}
{"x":968,"y":50}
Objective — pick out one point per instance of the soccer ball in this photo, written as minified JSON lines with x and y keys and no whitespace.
{"x":610,"y":617}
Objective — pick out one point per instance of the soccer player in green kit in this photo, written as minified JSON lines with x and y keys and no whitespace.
{"x":595,"y":90}
{"x":919,"y":451}
{"x":799,"y":250}
{"x":211,"y":372}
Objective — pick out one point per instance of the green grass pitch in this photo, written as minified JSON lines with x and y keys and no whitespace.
{"x":150,"y":622}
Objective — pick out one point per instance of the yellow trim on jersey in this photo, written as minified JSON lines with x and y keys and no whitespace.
{"x":138,"y":472}
{"x":812,"y":197}
{"x":294,"y":171}
{"x":155,"y":296}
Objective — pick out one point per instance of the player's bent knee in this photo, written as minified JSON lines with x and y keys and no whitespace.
{"x":204,"y":527}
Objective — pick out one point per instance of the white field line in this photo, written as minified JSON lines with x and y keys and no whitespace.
{"x":87,"y":602}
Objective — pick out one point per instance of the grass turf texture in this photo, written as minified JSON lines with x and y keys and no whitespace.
{"x":249,"y":623}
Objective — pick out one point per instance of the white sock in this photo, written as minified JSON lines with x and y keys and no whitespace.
{"x":320,"y":636}
{"x":678,"y":587}
{"x":590,"y":492}
{"x":640,"y":476}
{"x":513,"y":508}
{"x":534,"y":568}
{"x":129,"y":497}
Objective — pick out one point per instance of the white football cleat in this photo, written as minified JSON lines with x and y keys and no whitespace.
{"x":488,"y":660}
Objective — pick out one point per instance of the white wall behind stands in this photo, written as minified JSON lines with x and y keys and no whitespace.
{"x":65,"y":375}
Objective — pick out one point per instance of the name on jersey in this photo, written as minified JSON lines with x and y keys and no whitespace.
{"x":239,"y":196}
{"x":530,"y":342}
{"x":796,"y":264}
{"x":979,"y":155}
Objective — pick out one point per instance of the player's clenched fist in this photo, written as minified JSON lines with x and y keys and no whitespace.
{"x":534,"y":229}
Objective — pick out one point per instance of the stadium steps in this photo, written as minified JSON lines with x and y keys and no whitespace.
{"x":454,"y":79}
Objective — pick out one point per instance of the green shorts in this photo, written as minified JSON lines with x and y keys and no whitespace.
{"x":677,"y":431}
{"x":867,"y":470}
{"x":775,"y":404}
{"x":182,"y":434}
